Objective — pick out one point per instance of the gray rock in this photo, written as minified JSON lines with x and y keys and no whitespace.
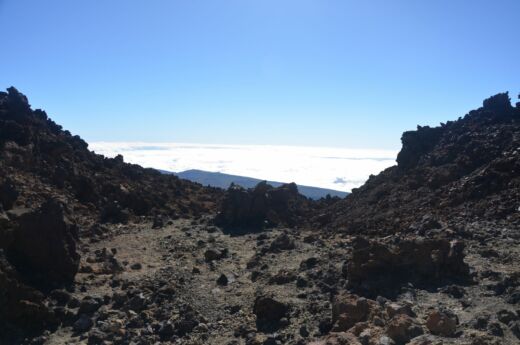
{"x":89,"y":305}
{"x":506,"y":316}
{"x":83,"y":324}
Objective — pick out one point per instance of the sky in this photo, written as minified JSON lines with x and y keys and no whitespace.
{"x":334,"y":73}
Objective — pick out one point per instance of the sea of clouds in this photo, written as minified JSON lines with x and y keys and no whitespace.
{"x":334,"y":168}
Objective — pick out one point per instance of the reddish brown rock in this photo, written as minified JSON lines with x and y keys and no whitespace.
{"x":402,"y":328}
{"x":349,"y":309}
{"x":442,"y":322}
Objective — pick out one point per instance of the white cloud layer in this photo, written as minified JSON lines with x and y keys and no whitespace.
{"x":334,"y":168}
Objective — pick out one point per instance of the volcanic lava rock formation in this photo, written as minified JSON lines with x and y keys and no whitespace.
{"x":262,"y":206}
{"x":45,"y":173}
{"x":97,"y":251}
{"x":453,"y":174}
{"x":34,"y":146}
{"x":377,"y":268}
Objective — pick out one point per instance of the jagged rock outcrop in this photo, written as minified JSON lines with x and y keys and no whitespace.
{"x":38,"y":153}
{"x":43,"y":246}
{"x":263,"y":206}
{"x":20,"y":304}
{"x":379,"y":268}
{"x":37,"y":253}
{"x":456,"y":173}
{"x":42,"y":169}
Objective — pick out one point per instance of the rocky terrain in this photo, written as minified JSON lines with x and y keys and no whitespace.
{"x":97,"y":251}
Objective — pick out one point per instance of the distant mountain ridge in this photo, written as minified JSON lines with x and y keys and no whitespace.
{"x":221,"y":180}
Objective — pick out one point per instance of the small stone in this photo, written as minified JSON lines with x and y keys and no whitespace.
{"x":495,"y":329}
{"x":136,"y":266}
{"x":137,"y":303}
{"x":506,"y":316}
{"x":364,"y":336}
{"x":202,"y":328}
{"x":454,"y":291}
{"x":377,"y":321}
{"x":222,"y":280}
{"x":83,"y":324}
{"x":85,"y":269}
{"x":166,"y":330}
{"x":89,"y":305}
{"x":515,"y":328}
{"x":301,"y":282}
{"x":480,"y":322}
{"x":60,"y":296}
{"x":213,"y":254}
{"x":96,"y":337}
{"x":308,"y":263}
{"x":73,"y":303}
{"x":119,"y":298}
{"x":384,"y":340}
{"x":282,"y":242}
{"x":393,"y":309}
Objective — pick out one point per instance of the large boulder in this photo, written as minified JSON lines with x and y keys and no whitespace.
{"x":402,"y":328}
{"x":269,"y":312}
{"x":416,"y":144}
{"x":442,"y":322}
{"x":20,"y":304}
{"x":264,"y":205}
{"x":378,"y":267}
{"x":349,"y":309}
{"x":43,"y":248}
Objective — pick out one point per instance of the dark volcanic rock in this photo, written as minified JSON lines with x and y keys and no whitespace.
{"x":379,"y":268}
{"x":222,"y":280}
{"x":269,"y":312}
{"x":456,"y":173}
{"x":34,"y":145}
{"x":244,"y":210}
{"x":83,"y":324}
{"x":44,"y":247}
{"x":282,"y":242}
{"x":19,"y":303}
{"x":8,"y":194}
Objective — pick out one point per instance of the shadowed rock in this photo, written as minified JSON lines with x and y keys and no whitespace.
{"x":269,"y":312}
{"x":44,"y":248}
{"x":244,"y":210}
{"x":20,"y":304}
{"x":381,"y":268}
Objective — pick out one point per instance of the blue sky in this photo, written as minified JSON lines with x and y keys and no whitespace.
{"x":324,"y":72}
